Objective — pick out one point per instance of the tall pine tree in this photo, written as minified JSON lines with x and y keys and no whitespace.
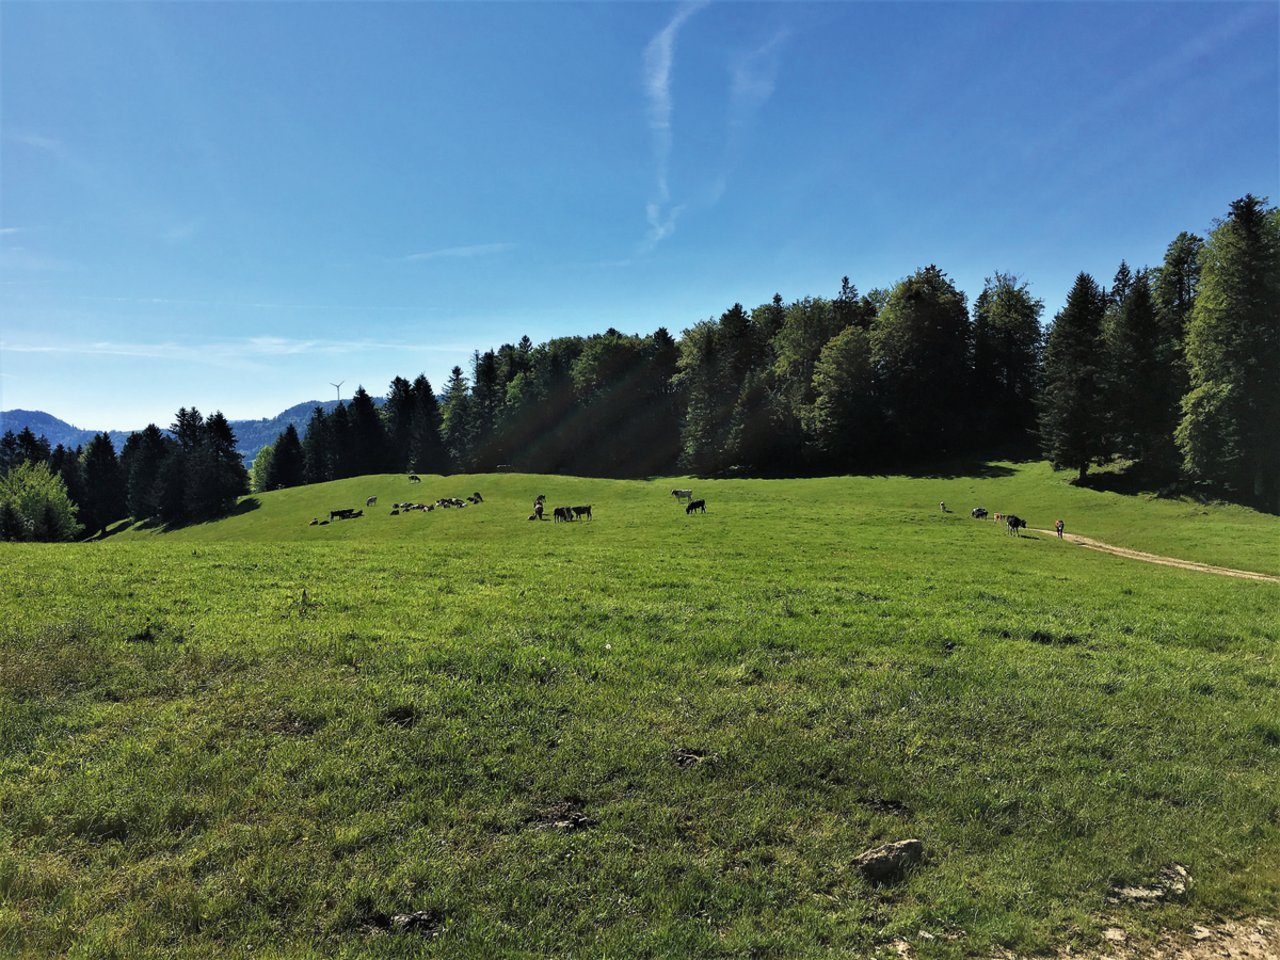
{"x":1230,"y":416}
{"x":1072,"y":415}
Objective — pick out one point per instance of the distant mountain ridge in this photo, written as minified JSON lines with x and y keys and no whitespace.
{"x":251,"y":435}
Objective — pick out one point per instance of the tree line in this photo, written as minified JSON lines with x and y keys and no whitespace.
{"x":191,"y":472}
{"x":1175,"y":368}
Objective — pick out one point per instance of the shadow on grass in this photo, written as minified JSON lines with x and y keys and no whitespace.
{"x":247,"y":505}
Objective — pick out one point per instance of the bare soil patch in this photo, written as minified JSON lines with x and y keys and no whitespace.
{"x":1166,"y":561}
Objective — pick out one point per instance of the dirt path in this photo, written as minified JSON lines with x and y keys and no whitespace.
{"x":1253,"y":939}
{"x":1166,"y":561}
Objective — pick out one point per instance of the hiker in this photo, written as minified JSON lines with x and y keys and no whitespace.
{"x":1059,"y":526}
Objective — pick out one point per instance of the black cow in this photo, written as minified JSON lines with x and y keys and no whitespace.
{"x":582,"y":511}
{"x":1015,"y":524}
{"x":695,"y":505}
{"x":562,"y":514}
{"x":414,"y":478}
{"x":979,"y":513}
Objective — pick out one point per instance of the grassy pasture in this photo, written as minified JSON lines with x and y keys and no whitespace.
{"x":197,"y":761}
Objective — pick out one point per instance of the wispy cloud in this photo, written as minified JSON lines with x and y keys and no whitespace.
{"x":659,"y":58}
{"x":37,"y":141}
{"x":9,"y":231}
{"x":753,"y":78}
{"x":475,"y":250}
{"x":181,"y":232}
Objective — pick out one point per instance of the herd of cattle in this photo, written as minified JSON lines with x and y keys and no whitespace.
{"x":1014,"y":522}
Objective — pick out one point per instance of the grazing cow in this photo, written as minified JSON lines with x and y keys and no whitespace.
{"x":414,"y":478}
{"x":583,"y":511}
{"x":371,"y":501}
{"x":695,"y":505}
{"x":979,"y":513}
{"x":562,"y":514}
{"x":342,"y":514}
{"x":1015,"y":523}
{"x":685,"y":495}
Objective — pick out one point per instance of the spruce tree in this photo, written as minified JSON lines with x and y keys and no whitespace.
{"x":1072,"y":415}
{"x":1174,"y":287}
{"x":1007,"y":344}
{"x":317,"y":448}
{"x":104,"y":487}
{"x":1136,"y":413}
{"x":1230,"y":416}
{"x":426,"y":450}
{"x":368,"y":444}
{"x":143,"y":455}
{"x":456,"y":427}
{"x":397,"y":418}
{"x":921,"y":344}
{"x":288,"y":461}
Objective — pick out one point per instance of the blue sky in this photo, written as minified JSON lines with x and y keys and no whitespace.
{"x":233,"y":205}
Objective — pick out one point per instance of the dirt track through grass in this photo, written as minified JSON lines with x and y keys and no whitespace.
{"x":1165,"y":561}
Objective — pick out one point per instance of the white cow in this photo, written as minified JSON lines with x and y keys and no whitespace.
{"x":685,"y":495}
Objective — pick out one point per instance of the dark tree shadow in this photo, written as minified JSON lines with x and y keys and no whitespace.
{"x":247,"y":505}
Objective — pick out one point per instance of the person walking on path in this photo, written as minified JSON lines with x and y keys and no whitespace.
{"x":1059,"y":526}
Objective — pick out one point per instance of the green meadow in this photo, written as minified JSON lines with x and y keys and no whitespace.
{"x":647,"y":735}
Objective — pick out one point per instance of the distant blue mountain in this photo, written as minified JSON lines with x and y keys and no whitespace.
{"x":251,"y":435}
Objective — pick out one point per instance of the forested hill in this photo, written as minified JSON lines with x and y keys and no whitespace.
{"x":251,"y":435}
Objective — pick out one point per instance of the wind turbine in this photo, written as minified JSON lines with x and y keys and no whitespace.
{"x":338,"y":386}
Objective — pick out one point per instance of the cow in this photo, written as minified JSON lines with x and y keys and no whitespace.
{"x":414,"y":478}
{"x":979,"y":513}
{"x":537,"y":510}
{"x":942,"y":505}
{"x":371,"y":501}
{"x":695,"y":505}
{"x":562,"y":514}
{"x":1015,"y":524}
{"x":314,"y":521}
{"x":395,"y":513}
{"x":478,"y":498}
{"x":582,"y":511}
{"x":341,"y":514}
{"x":685,"y":495}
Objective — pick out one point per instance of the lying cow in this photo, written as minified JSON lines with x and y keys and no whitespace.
{"x":685,"y":495}
{"x":695,"y":505}
{"x":1015,"y":524}
{"x":979,"y":513}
